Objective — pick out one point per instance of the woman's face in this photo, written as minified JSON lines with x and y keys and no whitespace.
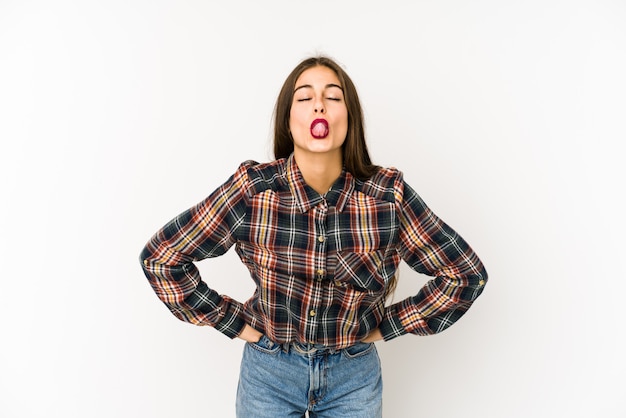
{"x":319,"y":117}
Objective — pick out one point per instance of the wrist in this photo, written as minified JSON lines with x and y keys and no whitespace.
{"x":250,"y":334}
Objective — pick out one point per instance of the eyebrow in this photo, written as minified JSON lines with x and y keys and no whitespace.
{"x":308,"y":86}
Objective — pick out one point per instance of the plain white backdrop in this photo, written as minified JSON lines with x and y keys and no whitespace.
{"x":506,"y":117}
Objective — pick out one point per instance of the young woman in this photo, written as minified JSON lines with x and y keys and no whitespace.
{"x":322,"y":231}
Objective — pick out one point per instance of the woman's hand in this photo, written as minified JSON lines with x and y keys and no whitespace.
{"x":250,"y":335}
{"x":375,"y":335}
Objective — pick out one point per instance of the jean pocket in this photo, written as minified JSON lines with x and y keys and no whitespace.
{"x":265,"y":345}
{"x":358,"y":350}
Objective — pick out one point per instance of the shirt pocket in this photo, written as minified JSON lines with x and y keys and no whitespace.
{"x":362,"y":271}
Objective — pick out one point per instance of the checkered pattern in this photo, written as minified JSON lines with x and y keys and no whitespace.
{"x":321,"y":264}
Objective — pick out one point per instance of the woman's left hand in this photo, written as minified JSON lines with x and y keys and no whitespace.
{"x":375,"y":335}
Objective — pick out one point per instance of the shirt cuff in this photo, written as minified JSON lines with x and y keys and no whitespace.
{"x":391,"y":327}
{"x":233,"y":321}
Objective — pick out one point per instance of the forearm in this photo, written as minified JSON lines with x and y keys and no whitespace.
{"x":181,"y":289}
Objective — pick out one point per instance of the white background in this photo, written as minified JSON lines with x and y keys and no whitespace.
{"x":506,"y":116}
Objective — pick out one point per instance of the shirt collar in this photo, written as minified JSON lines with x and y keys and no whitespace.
{"x":306,"y":197}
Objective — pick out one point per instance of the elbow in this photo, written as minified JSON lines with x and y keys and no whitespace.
{"x":477,"y":284}
{"x":473,"y":286}
{"x":483,"y":276}
{"x":145,"y":253}
{"x":144,"y":258}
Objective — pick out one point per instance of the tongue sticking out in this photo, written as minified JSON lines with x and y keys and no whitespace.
{"x":319,"y":129}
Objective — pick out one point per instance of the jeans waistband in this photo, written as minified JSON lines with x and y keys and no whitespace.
{"x":308,"y":349}
{"x":304,"y":349}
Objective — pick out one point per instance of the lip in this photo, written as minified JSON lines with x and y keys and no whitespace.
{"x":315,"y":133}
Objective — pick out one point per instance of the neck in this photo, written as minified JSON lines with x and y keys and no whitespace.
{"x":319,"y":170}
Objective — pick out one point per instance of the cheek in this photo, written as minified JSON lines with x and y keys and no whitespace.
{"x":343,"y":117}
{"x":295,"y":118}
{"x":296,"y":127}
{"x":344,"y":121}
{"x":299,"y":124}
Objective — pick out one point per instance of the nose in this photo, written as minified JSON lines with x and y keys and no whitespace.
{"x":319,"y":106}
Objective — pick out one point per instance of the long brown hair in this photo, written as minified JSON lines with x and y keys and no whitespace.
{"x":356,"y":158}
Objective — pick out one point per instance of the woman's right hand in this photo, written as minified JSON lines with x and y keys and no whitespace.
{"x":250,"y":334}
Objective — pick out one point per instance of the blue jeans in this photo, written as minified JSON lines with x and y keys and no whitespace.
{"x":279,"y":381}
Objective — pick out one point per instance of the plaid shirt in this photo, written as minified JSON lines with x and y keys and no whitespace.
{"x":321,"y":264}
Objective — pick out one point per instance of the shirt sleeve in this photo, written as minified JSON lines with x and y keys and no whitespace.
{"x":205,"y":230}
{"x":431,"y":247}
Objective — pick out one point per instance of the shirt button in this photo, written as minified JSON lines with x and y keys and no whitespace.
{"x":482,"y":282}
{"x":320,"y":272}
{"x":321,"y":238}
{"x":312,"y":312}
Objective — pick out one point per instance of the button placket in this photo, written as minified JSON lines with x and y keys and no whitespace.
{"x":320,"y":213}
{"x":320,"y":273}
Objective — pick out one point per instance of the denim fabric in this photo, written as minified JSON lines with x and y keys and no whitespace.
{"x":289,"y":380}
